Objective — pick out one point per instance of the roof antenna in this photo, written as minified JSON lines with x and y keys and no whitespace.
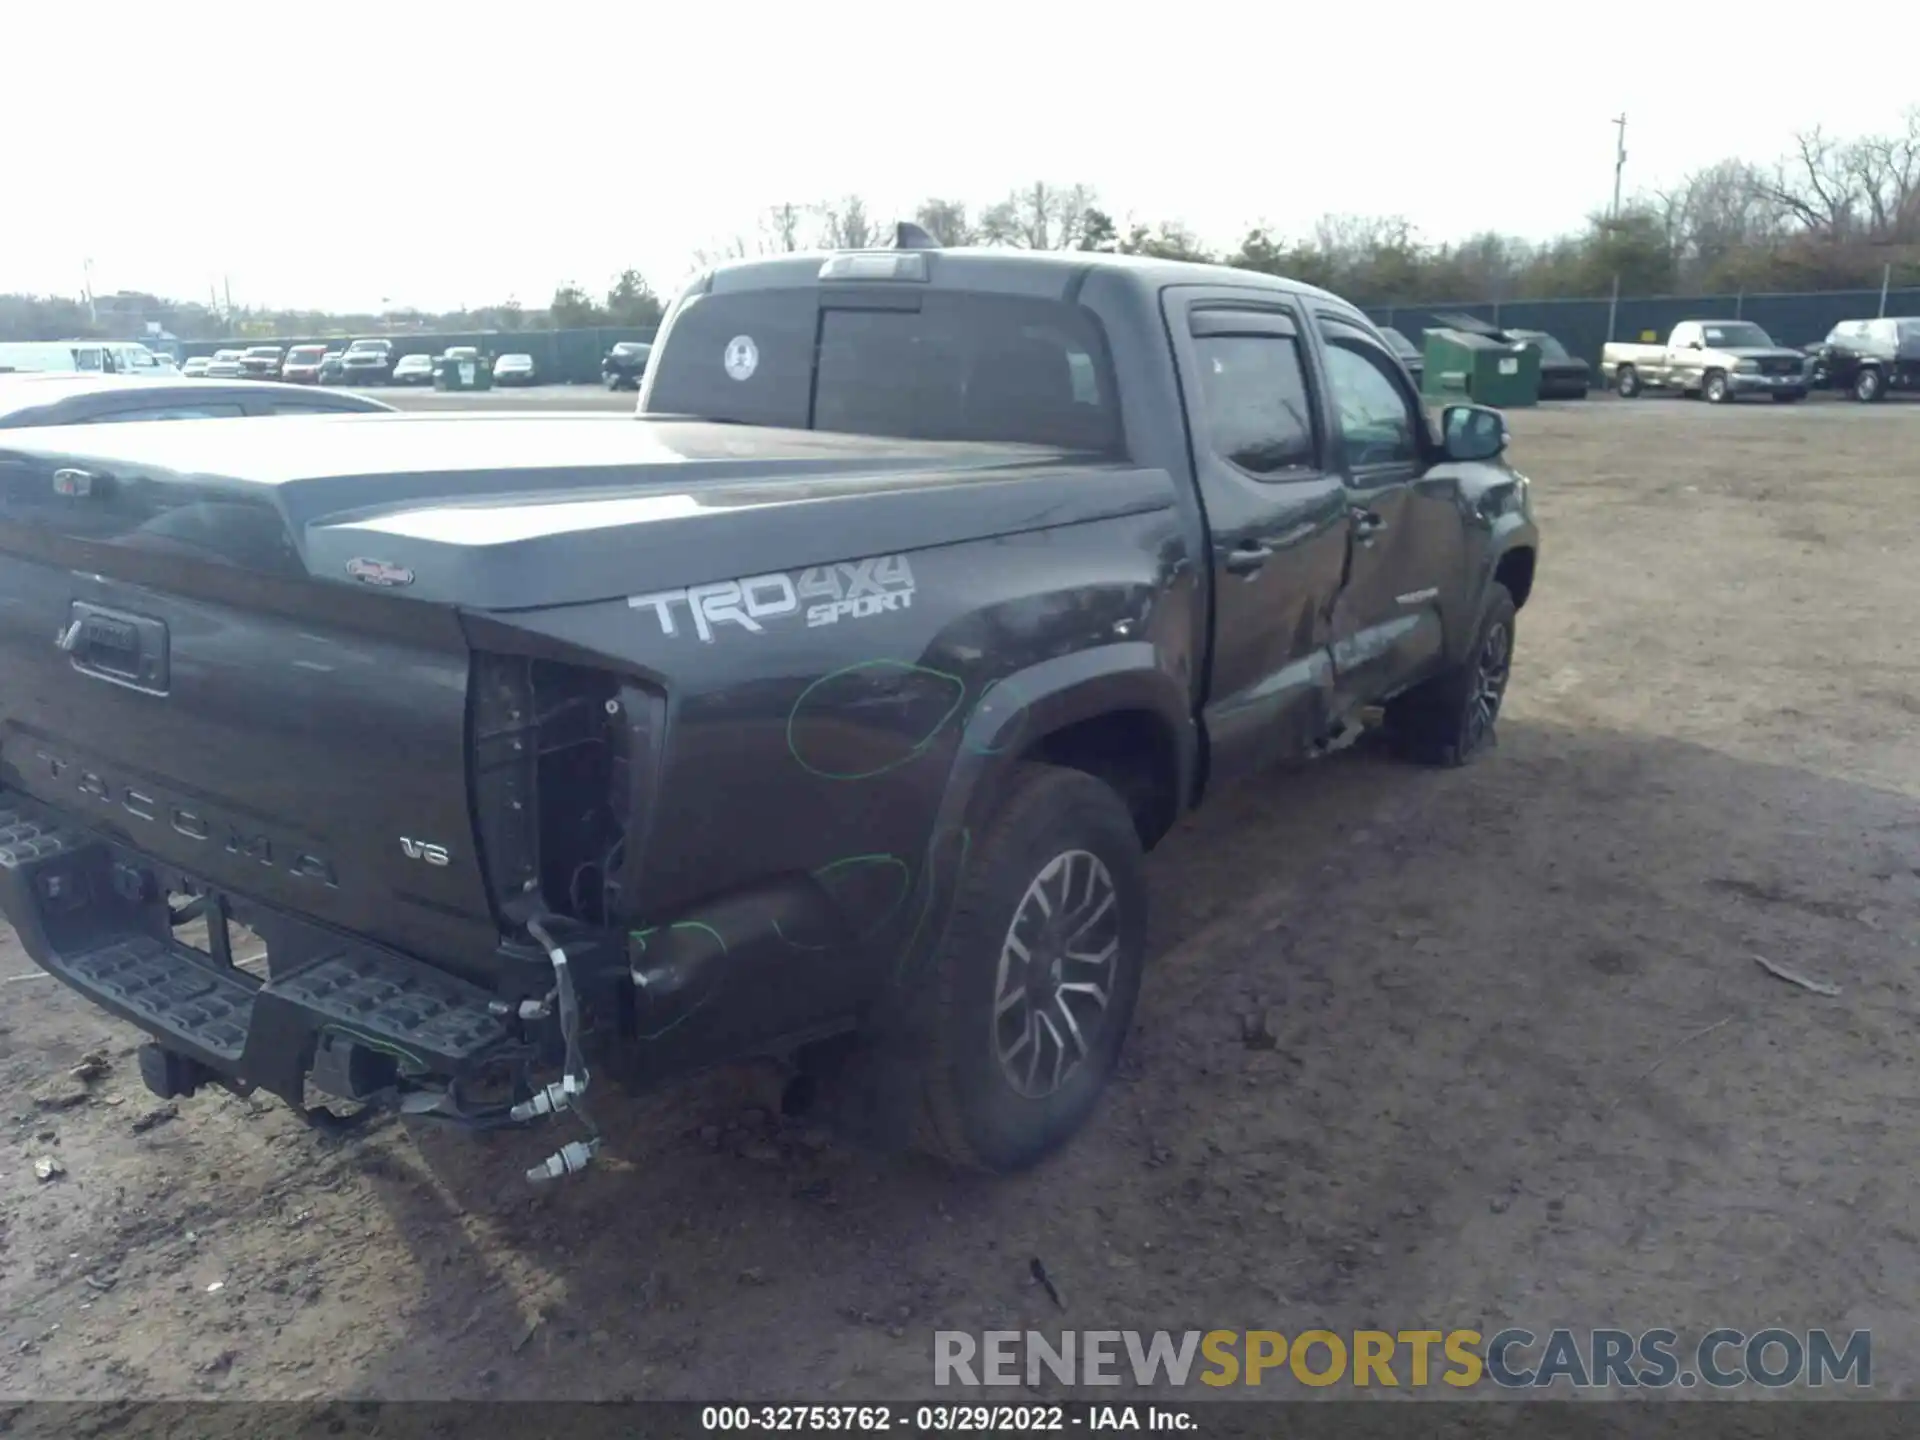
{"x":909,"y":236}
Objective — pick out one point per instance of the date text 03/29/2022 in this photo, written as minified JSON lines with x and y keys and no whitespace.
{"x":943,"y":1419}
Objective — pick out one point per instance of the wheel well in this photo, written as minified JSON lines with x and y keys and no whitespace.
{"x":1515,"y":571}
{"x":1131,"y":750}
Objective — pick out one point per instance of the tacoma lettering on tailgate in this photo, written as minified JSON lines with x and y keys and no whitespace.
{"x":145,"y":803}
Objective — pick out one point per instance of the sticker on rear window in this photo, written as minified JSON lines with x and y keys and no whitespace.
{"x":742,"y":357}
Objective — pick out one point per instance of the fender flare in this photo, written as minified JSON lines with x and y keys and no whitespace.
{"x":1509,"y":532}
{"x":1004,"y":721}
{"x":1020,"y":708}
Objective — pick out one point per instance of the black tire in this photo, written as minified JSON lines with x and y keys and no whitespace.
{"x":1869,"y":386}
{"x":1626,"y":380}
{"x":1714,"y":387}
{"x":971,"y":1112}
{"x":613,"y":382}
{"x":1451,"y":718}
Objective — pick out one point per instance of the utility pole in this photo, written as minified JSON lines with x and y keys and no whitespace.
{"x":1619,"y":161}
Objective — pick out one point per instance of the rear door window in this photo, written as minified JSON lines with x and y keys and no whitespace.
{"x":1253,"y":393}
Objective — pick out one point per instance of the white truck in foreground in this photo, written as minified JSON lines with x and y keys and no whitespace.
{"x":1718,"y":360}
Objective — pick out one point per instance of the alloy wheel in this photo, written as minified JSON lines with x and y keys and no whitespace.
{"x":1056,"y":973}
{"x":1490,"y":670}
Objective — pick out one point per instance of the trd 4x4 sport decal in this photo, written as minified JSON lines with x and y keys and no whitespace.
{"x":848,"y":590}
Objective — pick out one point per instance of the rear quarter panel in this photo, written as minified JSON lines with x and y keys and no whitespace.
{"x":820,"y":783}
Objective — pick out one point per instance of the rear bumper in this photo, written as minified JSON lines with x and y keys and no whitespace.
{"x":95,"y":915}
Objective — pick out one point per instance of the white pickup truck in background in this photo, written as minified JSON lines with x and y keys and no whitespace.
{"x":1718,"y":360}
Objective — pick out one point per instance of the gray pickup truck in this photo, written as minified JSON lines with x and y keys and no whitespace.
{"x":829,"y":705}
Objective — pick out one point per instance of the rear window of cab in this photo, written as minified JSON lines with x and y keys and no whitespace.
{"x":962,"y":366}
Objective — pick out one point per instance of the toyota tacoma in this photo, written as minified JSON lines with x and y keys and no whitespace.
{"x":828,"y":706}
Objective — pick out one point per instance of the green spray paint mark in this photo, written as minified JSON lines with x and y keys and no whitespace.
{"x":850,"y":862}
{"x":793,"y":718}
{"x":639,"y":937}
{"x":718,"y":938}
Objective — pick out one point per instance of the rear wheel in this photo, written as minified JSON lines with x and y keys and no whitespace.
{"x":1034,"y":983}
{"x":1869,"y":385}
{"x":1451,"y":718}
{"x":1626,"y":380}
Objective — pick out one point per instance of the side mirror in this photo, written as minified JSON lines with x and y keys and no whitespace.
{"x":1696,"y":345}
{"x":1472,"y":432}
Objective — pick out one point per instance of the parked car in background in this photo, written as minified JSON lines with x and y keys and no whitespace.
{"x":225,"y":365}
{"x":261,"y":362}
{"x":367,"y":362}
{"x":1409,"y":353}
{"x":1718,"y":360}
{"x":110,"y":357}
{"x":413,"y":370}
{"x":1563,"y":375}
{"x":1867,"y":358}
{"x":195,"y":366}
{"x":624,"y":364}
{"x":72,"y":399}
{"x":513,"y":370}
{"x":302,"y":365}
{"x":331,"y":367}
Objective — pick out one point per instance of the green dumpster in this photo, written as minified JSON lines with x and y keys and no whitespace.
{"x":1464,"y":366}
{"x":462,"y":368}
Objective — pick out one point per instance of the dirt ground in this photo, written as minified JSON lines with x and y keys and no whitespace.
{"x":1500,"y":1089}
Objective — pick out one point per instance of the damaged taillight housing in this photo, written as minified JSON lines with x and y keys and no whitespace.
{"x":562,"y":756}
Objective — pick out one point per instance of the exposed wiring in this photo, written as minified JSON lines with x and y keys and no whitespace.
{"x":571,"y":1093}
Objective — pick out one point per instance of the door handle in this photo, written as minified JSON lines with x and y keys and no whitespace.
{"x":1366,"y":523}
{"x":1245,"y":559}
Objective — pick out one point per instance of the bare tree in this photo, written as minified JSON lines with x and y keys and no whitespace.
{"x":1040,"y":217}
{"x":1884,"y":174}
{"x":1814,"y":187}
{"x":1720,"y":211}
{"x":783,"y":227}
{"x":847,"y":224}
{"x":946,"y":221}
{"x":737,"y":247}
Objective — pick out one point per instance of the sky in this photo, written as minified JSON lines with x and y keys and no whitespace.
{"x":433,"y":155}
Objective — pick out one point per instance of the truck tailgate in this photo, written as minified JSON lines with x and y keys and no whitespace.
{"x":269,"y":735}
